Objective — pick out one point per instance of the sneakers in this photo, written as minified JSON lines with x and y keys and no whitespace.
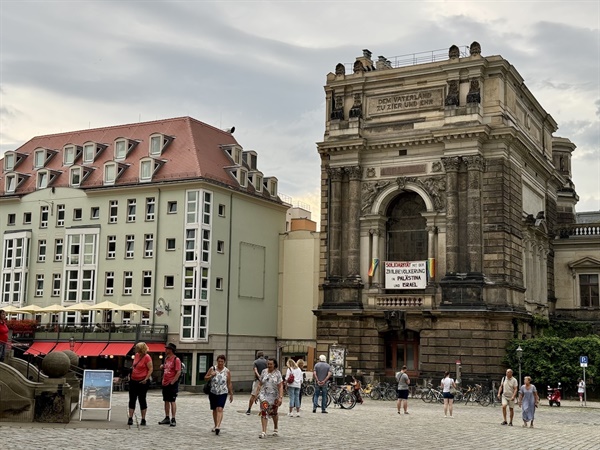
{"x":174,"y":423}
{"x":504,"y":423}
{"x":290,"y":415}
{"x":275,"y":433}
{"x":217,"y":430}
{"x":165,"y":421}
{"x":143,"y":423}
{"x":262,"y":435}
{"x":297,"y":414}
{"x":405,"y":412}
{"x":510,"y":424}
{"x":248,"y":412}
{"x":130,"y":421}
{"x":314,"y":410}
{"x":324,"y":412}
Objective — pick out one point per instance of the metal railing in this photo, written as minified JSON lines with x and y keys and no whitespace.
{"x":105,"y":331}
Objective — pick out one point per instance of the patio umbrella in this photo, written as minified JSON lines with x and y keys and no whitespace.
{"x":132,"y":307}
{"x":104,"y":306}
{"x":79,"y":307}
{"x":10,"y":309}
{"x":31,"y":309}
{"x":56,"y":308}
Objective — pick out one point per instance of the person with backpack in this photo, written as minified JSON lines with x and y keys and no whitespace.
{"x":220,"y":387}
{"x":170,"y":384}
{"x":293,"y":378}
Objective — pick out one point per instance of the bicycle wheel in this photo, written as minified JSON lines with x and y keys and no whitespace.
{"x":390,"y":394}
{"x":309,"y":391}
{"x":376,"y":394}
{"x":424,"y":396}
{"x":484,"y":400}
{"x":347,"y":400}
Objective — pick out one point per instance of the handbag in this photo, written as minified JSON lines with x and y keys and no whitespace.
{"x":290,"y":379}
{"x":206,"y":387}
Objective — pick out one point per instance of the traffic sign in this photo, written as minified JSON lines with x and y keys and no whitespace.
{"x":583,"y":361}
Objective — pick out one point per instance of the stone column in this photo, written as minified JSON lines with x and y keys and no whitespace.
{"x":451,"y":166}
{"x":375,"y":251}
{"x":544,"y":277}
{"x":475,"y":166}
{"x":353,"y":244}
{"x":335,"y":222}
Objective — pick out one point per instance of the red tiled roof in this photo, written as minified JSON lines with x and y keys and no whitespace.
{"x":194,"y":152}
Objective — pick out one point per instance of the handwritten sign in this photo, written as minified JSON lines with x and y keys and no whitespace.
{"x":405,"y":274}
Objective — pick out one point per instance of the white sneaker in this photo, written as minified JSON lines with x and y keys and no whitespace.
{"x":290,"y":415}
{"x":297,"y":414}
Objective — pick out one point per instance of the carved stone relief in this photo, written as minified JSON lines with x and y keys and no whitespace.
{"x":356,"y":110}
{"x":436,"y":166}
{"x":452,"y":97}
{"x":354,"y":172}
{"x":434,"y":186}
{"x":369,"y":192}
{"x":474,"y":95}
{"x":358,"y":67}
{"x":371,"y":172}
{"x":338,"y":108}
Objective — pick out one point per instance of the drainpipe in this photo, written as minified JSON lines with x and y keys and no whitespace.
{"x":229,"y":274}
{"x":155,"y":248}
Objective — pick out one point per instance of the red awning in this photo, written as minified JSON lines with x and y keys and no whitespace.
{"x":40,"y":348}
{"x":90,"y":348}
{"x":65,"y":346}
{"x":156,"y":347}
{"x":117,"y":349}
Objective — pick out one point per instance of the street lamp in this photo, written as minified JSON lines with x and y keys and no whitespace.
{"x":519,"y":356}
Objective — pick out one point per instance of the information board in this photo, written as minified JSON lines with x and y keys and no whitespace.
{"x":405,"y":274}
{"x":96,"y":390}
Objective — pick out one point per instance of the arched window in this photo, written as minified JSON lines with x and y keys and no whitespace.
{"x":406,"y":233}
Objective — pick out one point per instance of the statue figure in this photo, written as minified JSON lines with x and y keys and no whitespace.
{"x":474,"y":95}
{"x":356,"y":110}
{"x":452,"y":97}
{"x":370,"y":192}
{"x":340,"y":69}
{"x":475,"y":49}
{"x":358,"y":67}
{"x":454,"y":52}
{"x":338,"y":108}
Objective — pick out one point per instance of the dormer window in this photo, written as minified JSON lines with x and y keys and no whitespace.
{"x":234,"y":152}
{"x":123,"y":147}
{"x":271,"y":185}
{"x":70,"y":154}
{"x":13,"y":181}
{"x":90,"y":151}
{"x":158,"y":143}
{"x":112,"y":172}
{"x":148,"y":167}
{"x":256,"y":179}
{"x":12,"y":160}
{"x":41,"y":156}
{"x":78,"y":174}
{"x":45,"y":178}
{"x":241,"y":175}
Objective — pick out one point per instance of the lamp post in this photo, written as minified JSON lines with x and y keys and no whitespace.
{"x":519,"y":356}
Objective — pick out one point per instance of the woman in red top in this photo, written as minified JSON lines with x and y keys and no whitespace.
{"x":139,"y":381}
{"x":3,"y":334}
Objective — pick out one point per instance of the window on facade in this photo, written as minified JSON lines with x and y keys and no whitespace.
{"x":189,"y":283}
{"x":120,"y":149}
{"x":150,"y":203}
{"x":146,"y":170}
{"x":58,"y":249}
{"x":205,"y":246}
{"x":42,"y":179}
{"x":39,"y":285}
{"x":44,"y":212}
{"x":401,"y":348}
{"x":109,"y":283}
{"x":170,"y":245}
{"x":146,"y":282}
{"x":206,"y":208}
{"x":11,"y":183}
{"x":56,"y":284}
{"x":77,"y":214}
{"x":69,"y":155}
{"x":75,"y":176}
{"x":148,"y":245}
{"x":171,"y":207}
{"x":188,"y":322}
{"x":406,"y":233}
{"x":126,"y":320}
{"x":111,"y":247}
{"x":60,"y":215}
{"x":89,"y":151}
{"x":589,"y":290}
{"x":113,"y":211}
{"x":95,"y":213}
{"x":219,"y":284}
{"x":110,"y":173}
{"x":12,"y":219}
{"x":41,"y":250}
{"x":9,"y":161}
{"x":129,"y":246}
{"x":127,"y":283}
{"x":26,"y":218}
{"x":221,"y":210}
{"x":190,"y":245}
{"x":39,"y":159}
{"x":220,"y":247}
{"x":131,"y":204}
{"x":169,"y":281}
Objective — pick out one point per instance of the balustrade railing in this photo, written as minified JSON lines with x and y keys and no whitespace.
{"x":577,"y":230}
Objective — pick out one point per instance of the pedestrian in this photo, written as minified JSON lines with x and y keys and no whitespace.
{"x":402,"y":392}
{"x":259,"y":365}
{"x":139,"y":381}
{"x":528,"y":401}
{"x":270,"y":396}
{"x":509,"y":387}
{"x":170,"y":384}
{"x":321,"y":374}
{"x":293,"y":379}
{"x":220,"y":386}
{"x":301,"y":364}
{"x":3,"y":335}
{"x":356,"y":385}
{"x":580,"y":390}
{"x":447,"y":384}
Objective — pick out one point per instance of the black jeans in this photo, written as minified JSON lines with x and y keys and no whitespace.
{"x":138,"y":391}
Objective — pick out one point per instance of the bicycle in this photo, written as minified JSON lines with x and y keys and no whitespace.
{"x":383,"y":391}
{"x":432,"y":394}
{"x":339,"y":396}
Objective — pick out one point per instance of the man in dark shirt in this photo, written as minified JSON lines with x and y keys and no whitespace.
{"x":321,"y":374}
{"x":259,"y":365}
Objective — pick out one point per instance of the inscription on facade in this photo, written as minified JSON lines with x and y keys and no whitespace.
{"x":402,"y":170}
{"x":405,"y":101}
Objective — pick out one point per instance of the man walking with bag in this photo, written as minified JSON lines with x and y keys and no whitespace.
{"x":509,"y":387}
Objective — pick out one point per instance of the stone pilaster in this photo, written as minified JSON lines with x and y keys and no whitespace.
{"x":475,"y":166}
{"x":451,"y":165}
{"x":353,"y":244}
{"x":335,"y":222}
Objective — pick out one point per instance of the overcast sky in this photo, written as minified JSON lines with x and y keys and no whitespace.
{"x":261,"y":66}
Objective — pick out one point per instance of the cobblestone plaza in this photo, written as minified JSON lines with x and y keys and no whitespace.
{"x":375,"y":425}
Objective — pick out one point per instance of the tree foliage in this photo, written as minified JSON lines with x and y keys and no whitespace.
{"x":550,"y":360}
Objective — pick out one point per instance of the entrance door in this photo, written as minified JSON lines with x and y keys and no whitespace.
{"x":401,"y":349}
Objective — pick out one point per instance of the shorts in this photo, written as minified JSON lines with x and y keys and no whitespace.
{"x":169,"y":392}
{"x":509,"y":402}
{"x":217,"y":401}
{"x":402,"y":394}
{"x":255,"y":388}
{"x":447,"y":395}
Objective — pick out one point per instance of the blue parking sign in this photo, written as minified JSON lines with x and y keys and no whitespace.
{"x":583,"y":361}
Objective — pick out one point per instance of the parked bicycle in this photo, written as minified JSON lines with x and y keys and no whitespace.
{"x":432,"y":394}
{"x":340,"y":396}
{"x":383,"y":391}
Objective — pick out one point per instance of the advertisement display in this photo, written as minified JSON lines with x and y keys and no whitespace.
{"x":96,"y":390}
{"x":337,"y":360}
{"x":405,"y":274}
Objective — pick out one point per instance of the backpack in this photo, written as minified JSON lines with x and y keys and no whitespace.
{"x":290,"y":379}
{"x":182,"y":373}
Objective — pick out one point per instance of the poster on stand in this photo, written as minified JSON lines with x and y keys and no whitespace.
{"x":96,"y":390}
{"x":337,"y":360}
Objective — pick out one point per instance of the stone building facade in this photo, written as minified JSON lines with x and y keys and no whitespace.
{"x":453,"y":163}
